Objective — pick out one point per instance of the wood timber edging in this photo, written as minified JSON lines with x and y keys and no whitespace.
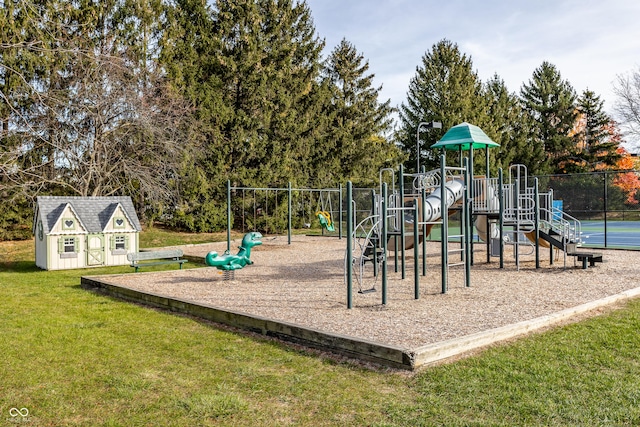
{"x":386,"y":355}
{"x":432,"y":353}
{"x":382,"y":354}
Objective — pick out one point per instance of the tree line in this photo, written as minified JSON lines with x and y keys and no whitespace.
{"x":167,"y":100}
{"x":547,"y":126}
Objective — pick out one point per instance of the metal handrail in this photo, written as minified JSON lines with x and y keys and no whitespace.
{"x":564,"y":224}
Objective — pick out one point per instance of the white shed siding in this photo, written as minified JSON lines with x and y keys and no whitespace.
{"x":58,"y":261}
{"x":119,"y":257}
{"x":41,"y":252}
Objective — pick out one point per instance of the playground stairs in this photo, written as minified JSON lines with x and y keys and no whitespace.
{"x":570,"y":247}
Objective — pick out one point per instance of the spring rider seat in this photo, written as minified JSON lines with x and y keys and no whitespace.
{"x":229,"y":262}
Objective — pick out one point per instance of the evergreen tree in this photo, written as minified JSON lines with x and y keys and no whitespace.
{"x":251,"y":67}
{"x":355,"y":147}
{"x":269,"y":65}
{"x":595,"y":147}
{"x":445,"y":89}
{"x":507,"y":125}
{"x":550,"y":103}
{"x":189,"y":52}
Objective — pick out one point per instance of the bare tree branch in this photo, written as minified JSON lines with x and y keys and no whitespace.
{"x":627,"y":108}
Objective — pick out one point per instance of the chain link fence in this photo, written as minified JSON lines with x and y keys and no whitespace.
{"x":606,"y":203}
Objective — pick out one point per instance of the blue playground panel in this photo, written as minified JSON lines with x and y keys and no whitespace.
{"x":620,"y":234}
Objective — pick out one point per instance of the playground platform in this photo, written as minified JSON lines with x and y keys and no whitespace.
{"x":297,"y":293}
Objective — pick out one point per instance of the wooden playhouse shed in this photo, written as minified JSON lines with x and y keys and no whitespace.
{"x":79,"y":232}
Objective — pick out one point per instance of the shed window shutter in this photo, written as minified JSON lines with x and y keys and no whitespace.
{"x":60,"y":245}
{"x":112,"y":242}
{"x":126,"y":241}
{"x":76,"y":241}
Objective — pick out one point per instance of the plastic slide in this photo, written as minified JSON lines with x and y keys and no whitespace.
{"x":432,"y":209}
{"x":481,"y":228}
{"x":481,"y":220}
{"x":531,"y":235}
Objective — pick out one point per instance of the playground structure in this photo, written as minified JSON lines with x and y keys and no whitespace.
{"x":514,"y":213}
{"x":401,"y":220}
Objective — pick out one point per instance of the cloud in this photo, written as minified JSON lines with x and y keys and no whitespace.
{"x":589,"y":41}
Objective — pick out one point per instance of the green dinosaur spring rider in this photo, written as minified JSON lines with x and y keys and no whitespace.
{"x":230,"y":262}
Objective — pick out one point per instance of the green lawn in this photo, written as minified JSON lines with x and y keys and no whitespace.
{"x":75,"y":358}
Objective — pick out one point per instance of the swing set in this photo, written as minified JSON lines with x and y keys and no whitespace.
{"x":272,"y":210}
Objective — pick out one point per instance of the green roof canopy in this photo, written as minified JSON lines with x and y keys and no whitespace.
{"x":464,"y":136}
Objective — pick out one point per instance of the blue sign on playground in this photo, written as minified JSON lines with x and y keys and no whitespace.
{"x":557,"y":206}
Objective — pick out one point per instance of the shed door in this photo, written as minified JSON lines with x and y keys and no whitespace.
{"x":95,"y":249}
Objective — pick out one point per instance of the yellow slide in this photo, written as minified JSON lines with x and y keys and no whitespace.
{"x":531,"y":235}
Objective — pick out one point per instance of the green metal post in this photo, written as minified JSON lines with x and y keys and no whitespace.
{"x":501,"y":216}
{"x":416,"y":250}
{"x":375,"y":241}
{"x":402,"y":226}
{"x":445,"y":223}
{"x":289,"y":193}
{"x":383,"y":218}
{"x":340,"y":212}
{"x":424,"y":229}
{"x":396,"y":245}
{"x":472,"y":194}
{"x":228,"y":215}
{"x":487,"y":176}
{"x":536,"y":219}
{"x":349,"y":265}
{"x":468,"y":227}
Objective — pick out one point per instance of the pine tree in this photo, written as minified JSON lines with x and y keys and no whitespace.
{"x":268,"y":64}
{"x":190,"y":53}
{"x":507,"y":125}
{"x":252,"y":69}
{"x":445,"y":89}
{"x":595,"y":148}
{"x":355,"y":147}
{"x":550,"y":103}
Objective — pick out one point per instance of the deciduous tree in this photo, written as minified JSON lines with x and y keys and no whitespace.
{"x":627,"y":106}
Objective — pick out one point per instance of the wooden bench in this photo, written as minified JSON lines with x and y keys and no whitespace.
{"x":589,"y":258}
{"x":149,"y":258}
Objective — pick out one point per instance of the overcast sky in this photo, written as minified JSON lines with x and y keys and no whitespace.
{"x":589,"y":41}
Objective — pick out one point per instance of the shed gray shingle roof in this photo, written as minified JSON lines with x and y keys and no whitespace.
{"x":93,"y":212}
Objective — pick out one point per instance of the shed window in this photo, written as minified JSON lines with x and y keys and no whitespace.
{"x":69,"y":245}
{"x":120,"y":242}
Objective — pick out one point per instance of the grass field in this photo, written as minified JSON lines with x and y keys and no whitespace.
{"x":75,"y":358}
